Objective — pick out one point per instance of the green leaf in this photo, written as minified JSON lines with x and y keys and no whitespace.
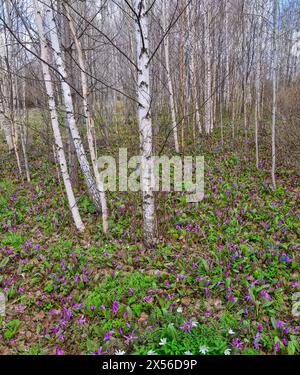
{"x":4,"y":262}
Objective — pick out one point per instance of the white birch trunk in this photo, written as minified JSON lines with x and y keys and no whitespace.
{"x":226,"y":49}
{"x":192,"y":45}
{"x":274,"y":105}
{"x":66,"y":91}
{"x":169,"y":80}
{"x":5,"y":125}
{"x":23,"y":133}
{"x":54,"y":122}
{"x":144,"y":120}
{"x":89,"y":122}
{"x":207,"y":83}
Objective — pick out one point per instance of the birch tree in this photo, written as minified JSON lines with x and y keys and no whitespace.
{"x":144,"y":118}
{"x":66,"y":92}
{"x":169,"y":80}
{"x":54,"y":120}
{"x":89,"y":120}
{"x":274,"y":93}
{"x":207,"y":81}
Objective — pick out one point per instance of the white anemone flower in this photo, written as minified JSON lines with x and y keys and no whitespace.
{"x":188,"y":353}
{"x":231,"y":331}
{"x":227,"y":351}
{"x":163,"y":341}
{"x":120,"y":352}
{"x":152,"y":352}
{"x":203,"y":349}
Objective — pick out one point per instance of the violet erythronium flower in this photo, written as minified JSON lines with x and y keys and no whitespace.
{"x":58,"y":351}
{"x":188,"y":325}
{"x":294,"y":284}
{"x":108,"y":335}
{"x":121,"y":209}
{"x":237,"y":343}
{"x":276,"y":346}
{"x":99,"y":352}
{"x":67,"y":313}
{"x":129,"y":338}
{"x":115,"y":306}
{"x":265,"y":294}
{"x":256,"y":341}
{"x":21,"y":307}
{"x":55,"y":329}
{"x":279,"y":324}
{"x":259,"y":327}
{"x":81,"y":320}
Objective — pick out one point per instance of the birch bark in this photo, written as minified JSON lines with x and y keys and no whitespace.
{"x":169,"y":80}
{"x":144,"y":120}
{"x":89,"y":121}
{"x":66,"y":91}
{"x":54,"y":122}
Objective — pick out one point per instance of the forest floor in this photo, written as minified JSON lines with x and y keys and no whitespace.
{"x":222,"y":276}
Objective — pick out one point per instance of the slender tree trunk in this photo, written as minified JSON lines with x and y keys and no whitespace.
{"x":226,"y":49}
{"x":23,"y":133}
{"x":144,"y":120}
{"x":89,"y":121}
{"x":207,"y":56}
{"x":54,"y":122}
{"x":81,"y":155}
{"x":256,"y":109}
{"x":169,"y":80}
{"x":274,"y":106}
{"x":192,"y":45}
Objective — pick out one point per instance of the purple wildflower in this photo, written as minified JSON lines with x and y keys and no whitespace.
{"x":59,"y":351}
{"x":108,"y":335}
{"x":99,"y":351}
{"x":237,"y":343}
{"x":276,"y":346}
{"x":81,"y":320}
{"x":115,"y":306}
